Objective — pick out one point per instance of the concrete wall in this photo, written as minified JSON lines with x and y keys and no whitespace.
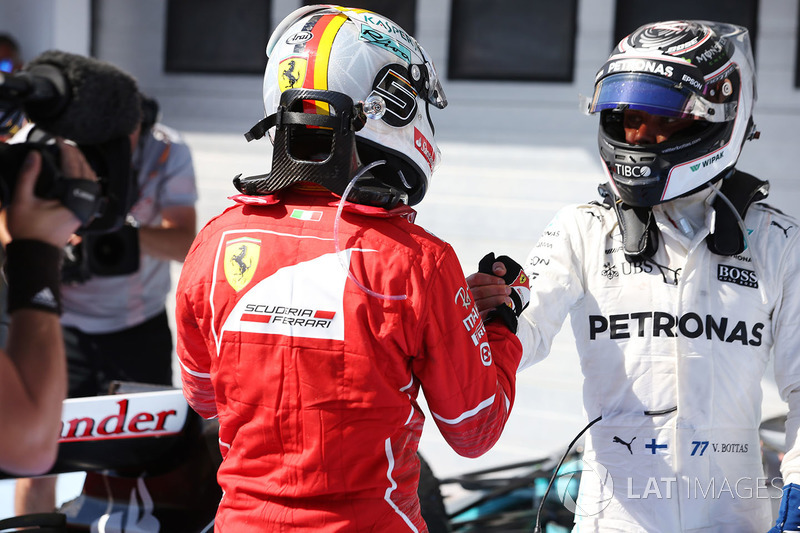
{"x":41,"y":25}
{"x":131,"y":34}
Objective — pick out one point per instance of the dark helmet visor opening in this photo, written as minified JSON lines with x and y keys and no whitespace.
{"x":652,"y":94}
{"x":657,"y":96}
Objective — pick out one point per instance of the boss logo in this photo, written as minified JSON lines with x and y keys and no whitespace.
{"x":739,"y":276}
{"x":632,"y":172}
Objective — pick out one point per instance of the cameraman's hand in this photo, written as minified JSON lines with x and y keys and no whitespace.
{"x":31,"y":217}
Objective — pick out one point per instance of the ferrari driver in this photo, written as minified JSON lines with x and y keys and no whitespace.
{"x":312,"y":313}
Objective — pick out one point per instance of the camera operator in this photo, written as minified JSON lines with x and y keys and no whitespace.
{"x":33,"y":367}
{"x":115,"y":323}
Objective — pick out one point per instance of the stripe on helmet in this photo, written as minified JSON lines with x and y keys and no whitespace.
{"x":319,"y":53}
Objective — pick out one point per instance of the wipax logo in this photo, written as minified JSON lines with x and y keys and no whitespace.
{"x":148,"y":414}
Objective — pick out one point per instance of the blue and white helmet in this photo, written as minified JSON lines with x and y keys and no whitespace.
{"x":681,"y":69}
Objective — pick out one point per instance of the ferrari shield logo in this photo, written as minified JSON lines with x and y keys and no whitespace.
{"x":241,"y":260}
{"x":292,"y":73}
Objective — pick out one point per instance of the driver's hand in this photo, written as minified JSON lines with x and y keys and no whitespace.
{"x":489,"y":291}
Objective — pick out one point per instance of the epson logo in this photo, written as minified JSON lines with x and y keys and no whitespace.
{"x":632,"y":172}
{"x":737,"y":275}
{"x":693,"y":82}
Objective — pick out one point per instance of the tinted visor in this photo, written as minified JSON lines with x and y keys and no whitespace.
{"x":656,"y":95}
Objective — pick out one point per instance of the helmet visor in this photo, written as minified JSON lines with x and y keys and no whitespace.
{"x":434,"y":94}
{"x":657,"y":96}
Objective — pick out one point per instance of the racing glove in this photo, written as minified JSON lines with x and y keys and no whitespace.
{"x":789,"y":513}
{"x":520,"y":295}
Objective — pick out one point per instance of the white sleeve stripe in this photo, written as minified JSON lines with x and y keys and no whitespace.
{"x":410,"y":416}
{"x":467,"y":414}
{"x":410,"y":383}
{"x":393,"y":485}
{"x":194,"y":373}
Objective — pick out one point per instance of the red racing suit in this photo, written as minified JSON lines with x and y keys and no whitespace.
{"x":312,"y":355}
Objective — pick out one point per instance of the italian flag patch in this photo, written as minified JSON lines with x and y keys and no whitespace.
{"x":302,"y":214}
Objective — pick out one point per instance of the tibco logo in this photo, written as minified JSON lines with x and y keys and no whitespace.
{"x":632,"y":172}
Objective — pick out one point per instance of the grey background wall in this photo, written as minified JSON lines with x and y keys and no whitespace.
{"x":131,"y":34}
{"x":528,"y":132}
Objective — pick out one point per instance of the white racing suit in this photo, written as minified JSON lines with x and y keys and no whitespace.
{"x":672,"y":351}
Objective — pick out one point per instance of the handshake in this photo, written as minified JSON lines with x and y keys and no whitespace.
{"x":501,"y":289}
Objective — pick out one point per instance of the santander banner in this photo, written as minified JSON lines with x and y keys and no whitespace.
{"x":123,"y":416}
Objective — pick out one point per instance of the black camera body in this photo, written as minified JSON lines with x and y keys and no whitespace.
{"x":108,"y":246}
{"x":115,"y":253}
{"x":101,"y":206}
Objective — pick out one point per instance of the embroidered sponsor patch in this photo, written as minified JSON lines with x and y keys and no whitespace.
{"x":241,"y":259}
{"x":737,"y":275}
{"x":293,"y":316}
{"x":304,"y":300}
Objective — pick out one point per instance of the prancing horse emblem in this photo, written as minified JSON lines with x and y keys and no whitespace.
{"x":241,"y":259}
{"x":292,"y":73}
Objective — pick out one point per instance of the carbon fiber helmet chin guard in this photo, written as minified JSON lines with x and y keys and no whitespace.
{"x":351,"y":83}
{"x":682,"y":69}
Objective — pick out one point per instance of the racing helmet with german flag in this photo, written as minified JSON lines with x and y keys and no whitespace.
{"x":678,"y":69}
{"x":323,"y":59}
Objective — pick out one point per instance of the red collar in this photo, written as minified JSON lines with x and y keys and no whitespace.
{"x":401,"y":210}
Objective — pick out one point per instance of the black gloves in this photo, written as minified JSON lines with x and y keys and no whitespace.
{"x":520,"y":289}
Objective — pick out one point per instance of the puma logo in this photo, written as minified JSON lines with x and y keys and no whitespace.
{"x":626,"y":444}
{"x":785,"y":230}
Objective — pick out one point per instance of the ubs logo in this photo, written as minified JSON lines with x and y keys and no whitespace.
{"x":610,"y":271}
{"x":737,"y":275}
